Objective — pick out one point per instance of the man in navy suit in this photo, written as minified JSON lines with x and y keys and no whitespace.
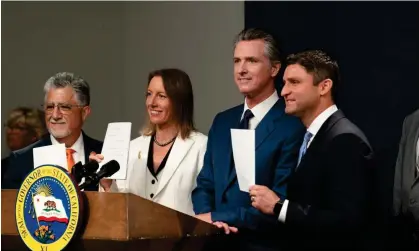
{"x":66,"y":106}
{"x":217,"y":198}
{"x":329,"y":195}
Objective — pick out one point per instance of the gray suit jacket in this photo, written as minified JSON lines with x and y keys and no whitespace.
{"x":406,"y":186}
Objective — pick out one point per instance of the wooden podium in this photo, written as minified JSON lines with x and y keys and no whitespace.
{"x":117,"y":221}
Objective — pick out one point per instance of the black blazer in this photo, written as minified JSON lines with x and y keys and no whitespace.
{"x":21,"y":161}
{"x":329,"y":192}
{"x":4,"y":166}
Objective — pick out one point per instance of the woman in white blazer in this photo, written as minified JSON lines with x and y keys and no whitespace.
{"x":164,"y":162}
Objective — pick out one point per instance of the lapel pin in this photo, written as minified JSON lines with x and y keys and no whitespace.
{"x":139,"y":155}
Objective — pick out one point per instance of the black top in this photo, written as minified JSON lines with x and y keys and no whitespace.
{"x":150,"y":163}
{"x":4,"y":166}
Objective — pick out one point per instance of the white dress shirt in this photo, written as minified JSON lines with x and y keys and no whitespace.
{"x":313,"y":129}
{"x":260,"y":110}
{"x":78,"y":147}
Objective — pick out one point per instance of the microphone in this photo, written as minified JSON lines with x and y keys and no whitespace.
{"x":75,"y":171}
{"x":78,"y":171}
{"x":107,"y":170}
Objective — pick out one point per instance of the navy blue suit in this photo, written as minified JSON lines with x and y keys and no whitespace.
{"x":278,"y":138}
{"x":21,"y":161}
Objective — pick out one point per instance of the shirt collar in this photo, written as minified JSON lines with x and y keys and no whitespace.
{"x":78,"y":146}
{"x":320,"y":119}
{"x":261,"y":109}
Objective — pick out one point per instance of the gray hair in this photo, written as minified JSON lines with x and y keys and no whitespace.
{"x":272,"y":50}
{"x":63,"y":79}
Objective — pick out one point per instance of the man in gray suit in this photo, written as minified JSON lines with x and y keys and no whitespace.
{"x":406,"y":179}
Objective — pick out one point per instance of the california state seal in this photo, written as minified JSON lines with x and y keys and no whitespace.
{"x":48,"y":209}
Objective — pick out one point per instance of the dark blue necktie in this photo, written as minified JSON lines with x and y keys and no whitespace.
{"x":244,"y":123}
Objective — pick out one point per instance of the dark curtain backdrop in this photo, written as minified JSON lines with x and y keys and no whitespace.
{"x":377,"y":47}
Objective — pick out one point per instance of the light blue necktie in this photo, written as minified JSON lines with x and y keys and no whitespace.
{"x":303,"y":147}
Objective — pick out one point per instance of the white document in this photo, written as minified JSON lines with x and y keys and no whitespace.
{"x":50,"y":155}
{"x":116,"y":147}
{"x":243,"y":143}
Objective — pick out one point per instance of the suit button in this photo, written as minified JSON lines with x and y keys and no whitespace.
{"x":151,"y":195}
{"x":153,"y":181}
{"x":412,"y":201}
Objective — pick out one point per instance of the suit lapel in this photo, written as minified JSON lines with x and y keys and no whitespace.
{"x":180,"y":149}
{"x":137,"y":176}
{"x":267,"y":125}
{"x":228,"y":148}
{"x":86,"y":143}
{"x":89,"y":146}
{"x":262,"y":131}
{"x":320,"y":136}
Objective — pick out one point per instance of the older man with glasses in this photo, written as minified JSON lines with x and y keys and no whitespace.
{"x":66,"y":106}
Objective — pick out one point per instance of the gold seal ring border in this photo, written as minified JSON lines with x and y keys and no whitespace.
{"x":52,"y":246}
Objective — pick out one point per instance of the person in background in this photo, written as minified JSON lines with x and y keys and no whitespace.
{"x":406,"y":184}
{"x":24,"y":126}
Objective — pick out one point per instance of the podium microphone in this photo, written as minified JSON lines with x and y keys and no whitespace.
{"x":107,"y":170}
{"x":78,"y":171}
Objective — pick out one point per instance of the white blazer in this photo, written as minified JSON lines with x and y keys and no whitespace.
{"x":178,"y":176}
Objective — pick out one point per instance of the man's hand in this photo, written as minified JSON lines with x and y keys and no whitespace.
{"x":263,"y":199}
{"x":96,"y":157}
{"x":207,"y":218}
{"x":227,"y":228}
{"x":204,"y":217}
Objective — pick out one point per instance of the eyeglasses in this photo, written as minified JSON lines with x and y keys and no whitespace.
{"x":63,"y":108}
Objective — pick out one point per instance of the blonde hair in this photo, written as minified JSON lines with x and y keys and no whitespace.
{"x":33,"y":119}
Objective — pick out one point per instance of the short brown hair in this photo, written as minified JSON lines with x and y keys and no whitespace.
{"x":178,"y":87}
{"x":32,"y":119}
{"x":272,"y":49}
{"x":321,"y":65}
